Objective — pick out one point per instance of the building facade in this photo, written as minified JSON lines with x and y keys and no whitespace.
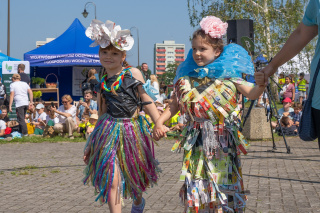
{"x":41,"y":43}
{"x":166,"y":53}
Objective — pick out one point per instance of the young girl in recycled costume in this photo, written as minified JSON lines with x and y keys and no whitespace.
{"x":119,"y":152}
{"x":206,"y":87}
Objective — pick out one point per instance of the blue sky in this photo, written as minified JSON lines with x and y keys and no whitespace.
{"x":36,"y":20}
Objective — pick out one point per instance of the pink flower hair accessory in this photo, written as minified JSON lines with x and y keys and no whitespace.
{"x":213,"y":26}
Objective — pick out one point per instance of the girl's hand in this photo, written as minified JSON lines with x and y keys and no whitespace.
{"x":259,"y":78}
{"x":86,"y":155}
{"x":159,"y":131}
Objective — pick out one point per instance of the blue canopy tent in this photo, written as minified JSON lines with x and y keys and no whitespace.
{"x":4,"y":57}
{"x":60,"y":55}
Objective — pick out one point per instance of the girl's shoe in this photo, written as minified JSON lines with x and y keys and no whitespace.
{"x":139,"y":208}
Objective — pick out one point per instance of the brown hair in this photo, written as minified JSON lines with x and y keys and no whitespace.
{"x":285,"y":120}
{"x":91,"y":74}
{"x":88,"y":91}
{"x":21,"y":66}
{"x":216,"y":43}
{"x":3,"y":107}
{"x":297,"y":105}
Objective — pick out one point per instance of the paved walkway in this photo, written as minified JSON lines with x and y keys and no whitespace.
{"x":46,"y":177}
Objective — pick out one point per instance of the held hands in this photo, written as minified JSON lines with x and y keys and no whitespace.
{"x":268,"y":71}
{"x":159,"y":131}
{"x":259,"y":78}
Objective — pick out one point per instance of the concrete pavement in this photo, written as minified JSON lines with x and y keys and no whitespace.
{"x":46,"y":177}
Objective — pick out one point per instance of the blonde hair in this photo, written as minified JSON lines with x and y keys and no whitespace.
{"x":67,"y":97}
{"x":91,"y":74}
{"x":153,"y":78}
{"x":216,"y":43}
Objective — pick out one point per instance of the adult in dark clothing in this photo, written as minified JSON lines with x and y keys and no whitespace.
{"x":3,"y":93}
{"x":24,"y":77}
{"x":90,"y":82}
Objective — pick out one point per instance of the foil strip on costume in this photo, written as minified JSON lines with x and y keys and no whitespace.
{"x":125,"y":144}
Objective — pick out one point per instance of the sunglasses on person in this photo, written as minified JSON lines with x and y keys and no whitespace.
{"x":64,"y":102}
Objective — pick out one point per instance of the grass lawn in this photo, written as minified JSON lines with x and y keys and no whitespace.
{"x":38,"y":139}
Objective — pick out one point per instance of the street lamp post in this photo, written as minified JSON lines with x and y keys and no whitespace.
{"x":138,"y":43}
{"x":8,"y":35}
{"x":85,"y":13}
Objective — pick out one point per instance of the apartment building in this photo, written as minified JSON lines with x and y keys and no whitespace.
{"x":166,"y":53}
{"x":41,"y":43}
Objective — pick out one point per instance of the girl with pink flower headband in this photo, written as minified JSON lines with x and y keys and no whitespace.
{"x":206,"y":91}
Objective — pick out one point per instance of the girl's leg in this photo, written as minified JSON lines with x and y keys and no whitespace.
{"x":115,"y":201}
{"x":138,"y":200}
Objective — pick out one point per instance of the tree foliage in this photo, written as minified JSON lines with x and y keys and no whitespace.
{"x":274,"y":20}
{"x":170,"y":73}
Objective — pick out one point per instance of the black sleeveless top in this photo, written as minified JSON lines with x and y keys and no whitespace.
{"x":126,"y":102}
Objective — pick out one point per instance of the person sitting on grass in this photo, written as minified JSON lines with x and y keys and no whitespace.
{"x":51,"y":119}
{"x":296,"y":114}
{"x":82,"y":127}
{"x":3,"y":128}
{"x":4,"y":114}
{"x":285,"y":111}
{"x":288,"y":127}
{"x":67,"y":117}
{"x":40,"y":121}
{"x":91,"y":124}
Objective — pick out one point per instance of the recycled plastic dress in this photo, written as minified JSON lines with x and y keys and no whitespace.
{"x":211,"y":141}
{"x":121,"y":139}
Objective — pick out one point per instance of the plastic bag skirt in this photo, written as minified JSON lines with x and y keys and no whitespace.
{"x":126,"y":144}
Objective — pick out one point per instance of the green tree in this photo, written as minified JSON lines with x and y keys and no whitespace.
{"x":170,"y":73}
{"x":274,"y":20}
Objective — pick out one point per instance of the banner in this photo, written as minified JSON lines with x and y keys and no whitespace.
{"x":11,"y":67}
{"x":70,"y":59}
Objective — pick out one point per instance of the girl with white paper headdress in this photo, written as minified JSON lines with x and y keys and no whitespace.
{"x":120,"y":152}
{"x":206,"y":90}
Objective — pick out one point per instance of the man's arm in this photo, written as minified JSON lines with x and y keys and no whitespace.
{"x":11,"y":101}
{"x":30,"y":96}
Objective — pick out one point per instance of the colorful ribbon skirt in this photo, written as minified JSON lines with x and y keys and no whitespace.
{"x":125,"y":144}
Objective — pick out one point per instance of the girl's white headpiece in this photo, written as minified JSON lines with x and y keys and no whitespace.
{"x":105,"y":33}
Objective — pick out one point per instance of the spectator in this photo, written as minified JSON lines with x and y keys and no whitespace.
{"x":51,"y":115}
{"x":3,"y":128}
{"x":39,"y":122}
{"x":91,"y":124}
{"x":296,"y":114}
{"x":19,"y":93}
{"x":162,"y":96}
{"x":67,"y":117}
{"x":288,"y":90}
{"x":285,"y":111}
{"x":288,"y":128}
{"x":3,"y":92}
{"x":155,"y":84}
{"x":24,"y":77}
{"x":4,"y":114}
{"x":87,"y":107}
{"x":89,"y":83}
{"x":301,"y":83}
{"x":164,"y":87}
{"x":82,"y":127}
{"x":51,"y":119}
{"x":144,"y":71}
